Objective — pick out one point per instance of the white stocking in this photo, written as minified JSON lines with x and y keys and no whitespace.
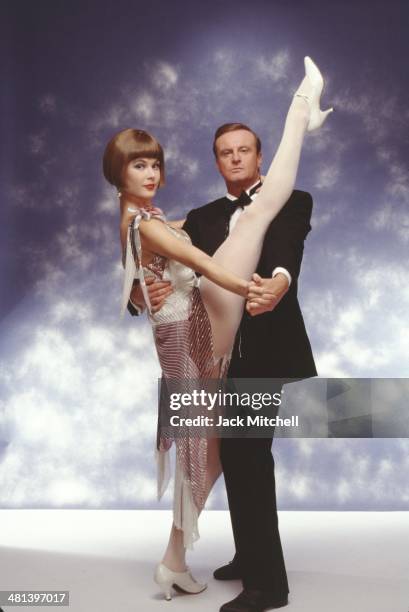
{"x":241,"y":250}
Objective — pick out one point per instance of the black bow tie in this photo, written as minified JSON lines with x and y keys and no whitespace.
{"x":243,"y":200}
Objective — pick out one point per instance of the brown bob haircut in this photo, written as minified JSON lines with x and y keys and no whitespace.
{"x":232,"y":127}
{"x":125,"y":146}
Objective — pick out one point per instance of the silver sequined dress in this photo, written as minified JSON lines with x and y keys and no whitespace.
{"x":183,"y":339}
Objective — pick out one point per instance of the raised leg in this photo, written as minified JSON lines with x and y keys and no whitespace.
{"x":240,"y":252}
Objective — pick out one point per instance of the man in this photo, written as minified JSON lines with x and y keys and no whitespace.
{"x":271,"y":343}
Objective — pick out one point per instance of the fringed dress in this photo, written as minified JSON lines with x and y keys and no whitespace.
{"x":183,"y":340}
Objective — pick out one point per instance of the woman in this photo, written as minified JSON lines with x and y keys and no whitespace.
{"x":195,"y":329}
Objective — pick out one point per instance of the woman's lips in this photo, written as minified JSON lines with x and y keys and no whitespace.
{"x":150,"y":187}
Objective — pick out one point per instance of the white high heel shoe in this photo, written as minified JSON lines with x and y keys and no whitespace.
{"x":317,"y":116}
{"x":165,"y":578}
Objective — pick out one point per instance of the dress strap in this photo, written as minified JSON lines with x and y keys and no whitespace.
{"x":132,"y":259}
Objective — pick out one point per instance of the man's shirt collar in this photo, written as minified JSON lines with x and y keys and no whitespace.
{"x":231,"y":197}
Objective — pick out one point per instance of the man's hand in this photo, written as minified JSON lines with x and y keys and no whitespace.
{"x":158,"y":291}
{"x":265,"y":293}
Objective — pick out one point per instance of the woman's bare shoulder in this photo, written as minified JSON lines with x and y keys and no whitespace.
{"x":177,"y":224}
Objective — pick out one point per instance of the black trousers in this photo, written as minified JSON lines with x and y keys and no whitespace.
{"x":248,"y":467}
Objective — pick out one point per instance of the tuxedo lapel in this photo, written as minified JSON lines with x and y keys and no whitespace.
{"x":214,"y":227}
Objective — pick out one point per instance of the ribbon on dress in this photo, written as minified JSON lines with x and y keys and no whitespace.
{"x":132,"y":257}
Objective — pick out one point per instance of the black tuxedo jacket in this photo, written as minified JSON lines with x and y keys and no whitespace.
{"x":274,"y":344}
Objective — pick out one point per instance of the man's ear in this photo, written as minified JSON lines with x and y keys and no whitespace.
{"x":259,"y":161}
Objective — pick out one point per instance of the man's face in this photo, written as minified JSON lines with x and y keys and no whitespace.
{"x":237,"y":158}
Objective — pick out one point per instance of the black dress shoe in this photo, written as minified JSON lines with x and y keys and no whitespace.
{"x":231,"y":571}
{"x":251,"y":600}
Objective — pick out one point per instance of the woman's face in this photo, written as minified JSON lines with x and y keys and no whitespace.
{"x":142,"y":177}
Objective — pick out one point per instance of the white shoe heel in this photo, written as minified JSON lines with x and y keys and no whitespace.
{"x":165,"y":578}
{"x":317,"y":116}
{"x":167,"y":591}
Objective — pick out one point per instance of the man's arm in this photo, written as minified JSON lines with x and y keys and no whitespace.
{"x":287,"y":234}
{"x":285,"y":241}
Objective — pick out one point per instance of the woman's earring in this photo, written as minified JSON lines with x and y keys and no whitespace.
{"x":119,"y":194}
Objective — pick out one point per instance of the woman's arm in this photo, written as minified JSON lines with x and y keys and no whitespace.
{"x":158,"y":239}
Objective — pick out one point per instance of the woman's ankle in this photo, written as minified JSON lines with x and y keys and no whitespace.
{"x":300,"y":109}
{"x":174,"y":561}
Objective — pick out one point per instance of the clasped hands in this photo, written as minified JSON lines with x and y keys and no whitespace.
{"x":263,"y":295}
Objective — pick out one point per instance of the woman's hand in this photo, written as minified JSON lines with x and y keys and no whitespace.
{"x":265,"y":293}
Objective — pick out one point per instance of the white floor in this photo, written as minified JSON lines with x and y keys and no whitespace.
{"x":336,"y":561}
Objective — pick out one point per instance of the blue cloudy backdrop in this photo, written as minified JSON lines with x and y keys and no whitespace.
{"x":77,"y":385}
